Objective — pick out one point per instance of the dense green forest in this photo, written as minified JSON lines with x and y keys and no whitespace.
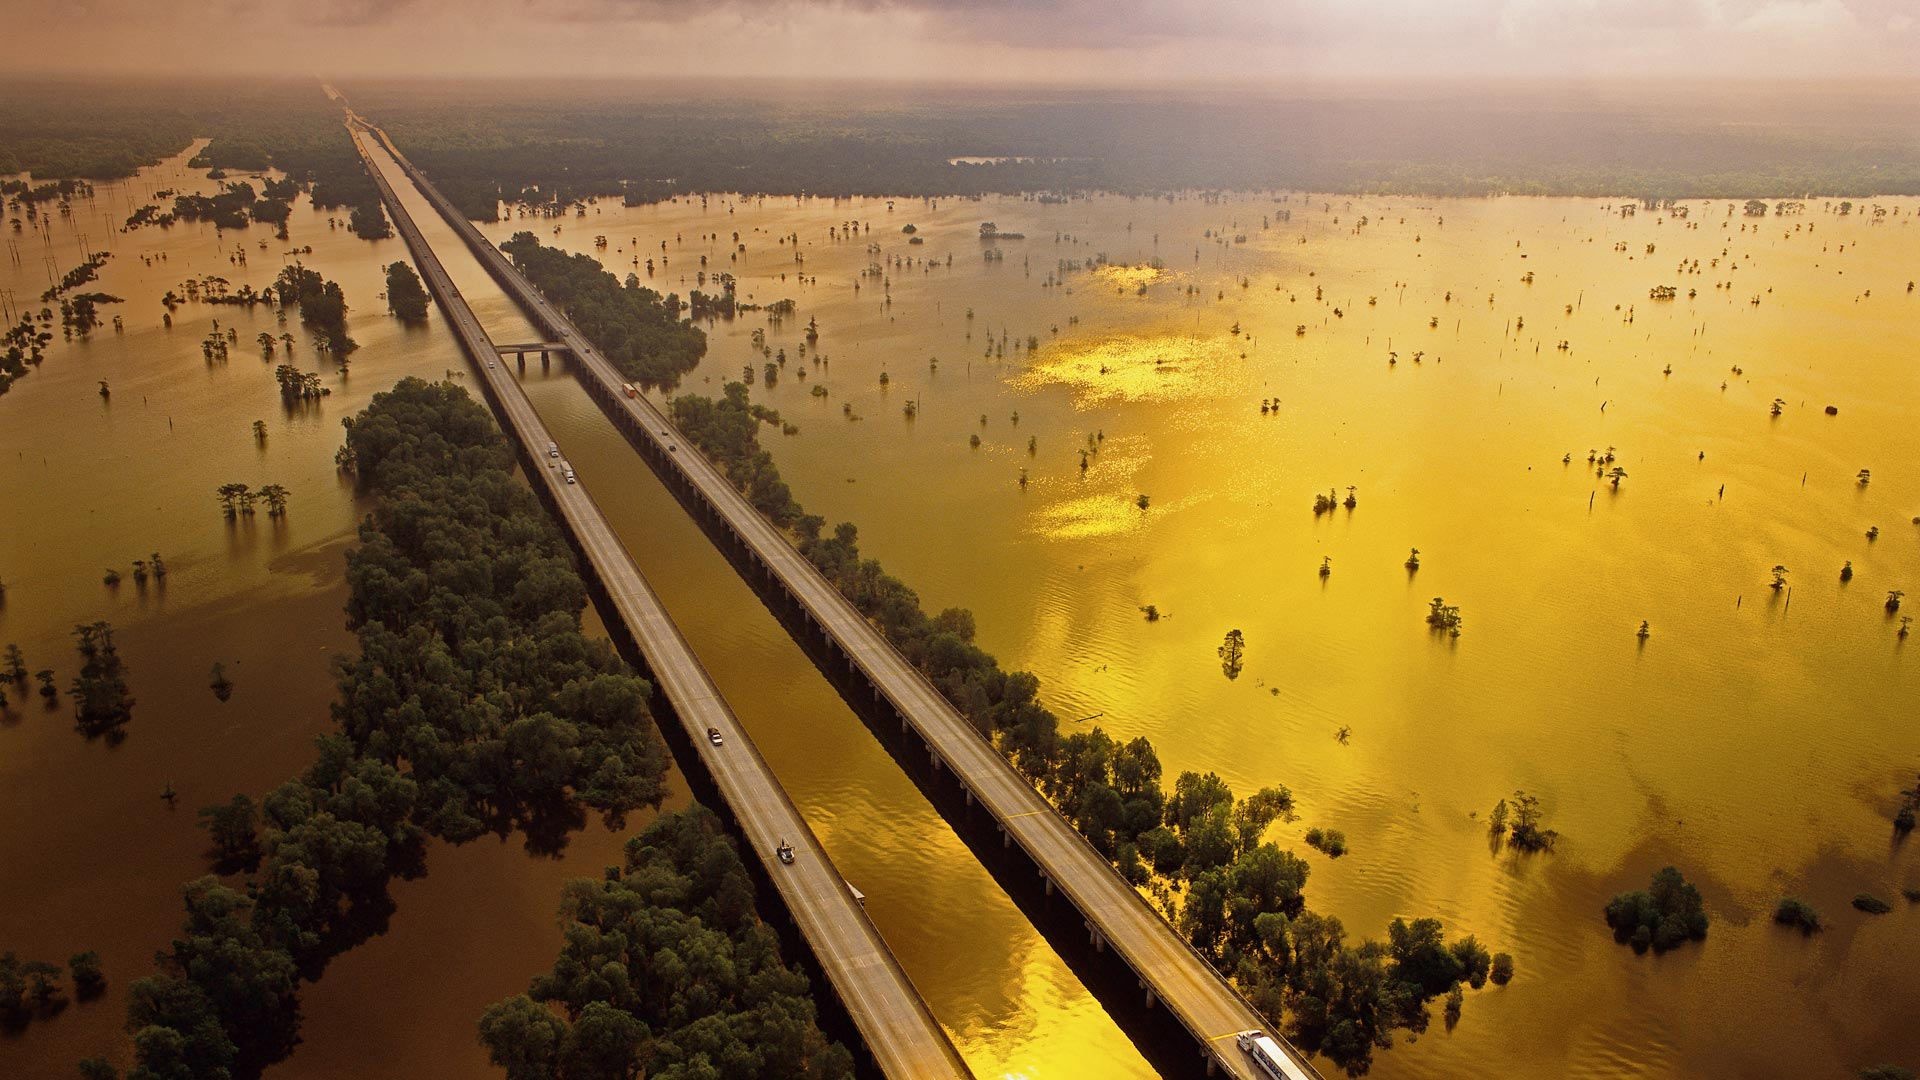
{"x":563,"y":141}
{"x":666,"y":967}
{"x":57,"y":131}
{"x":475,"y":705}
{"x":1195,"y":847}
{"x":106,"y":130}
{"x":308,"y":142}
{"x":558,"y":141}
{"x":639,"y":330}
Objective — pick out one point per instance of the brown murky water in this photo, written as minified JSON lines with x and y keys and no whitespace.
{"x":91,"y":856}
{"x":1755,"y":741}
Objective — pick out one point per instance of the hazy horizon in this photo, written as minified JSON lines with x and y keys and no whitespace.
{"x":1000,"y":42}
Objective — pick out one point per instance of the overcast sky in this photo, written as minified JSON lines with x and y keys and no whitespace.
{"x":1115,"y":43}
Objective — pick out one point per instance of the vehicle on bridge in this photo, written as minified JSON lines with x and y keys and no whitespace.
{"x":713,"y":736}
{"x":632,"y":390}
{"x":566,"y":470}
{"x":553,"y":449}
{"x":785,"y":852}
{"x":1268,"y":1054}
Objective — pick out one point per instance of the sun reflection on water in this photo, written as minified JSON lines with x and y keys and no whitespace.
{"x":1128,"y":367}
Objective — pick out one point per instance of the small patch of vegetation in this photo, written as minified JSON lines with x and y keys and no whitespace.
{"x":406,"y":297}
{"x":1329,"y":842}
{"x":1797,"y":914}
{"x":101,"y":703}
{"x":1667,"y":914}
{"x":323,"y":307}
{"x":1871,"y":904}
{"x":1520,"y":823}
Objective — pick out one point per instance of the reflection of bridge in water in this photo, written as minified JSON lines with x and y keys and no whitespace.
{"x":899,"y":1035}
{"x":1173,"y":1003}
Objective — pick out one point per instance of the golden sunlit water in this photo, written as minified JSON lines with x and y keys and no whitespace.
{"x":1757,"y":740}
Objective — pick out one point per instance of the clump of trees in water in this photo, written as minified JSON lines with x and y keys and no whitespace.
{"x":1196,"y":849}
{"x":76,"y":277}
{"x":623,"y":991}
{"x":1330,"y":842}
{"x":1903,"y":817}
{"x":23,"y":345}
{"x":640,"y":331}
{"x":236,"y":204}
{"x":1667,"y":914}
{"x":475,"y":705}
{"x":30,"y":989}
{"x":323,"y":307}
{"x":1232,"y":652}
{"x":304,"y":139}
{"x":237,"y":500}
{"x":405,"y":295}
{"x":1520,"y":824}
{"x":1797,"y":914}
{"x":102,"y":704}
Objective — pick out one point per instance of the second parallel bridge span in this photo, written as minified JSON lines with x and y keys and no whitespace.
{"x":1171,"y":974}
{"x":900,"y":1034}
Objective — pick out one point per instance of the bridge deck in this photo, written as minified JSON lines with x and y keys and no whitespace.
{"x":1171,"y":971}
{"x":900,"y":1032}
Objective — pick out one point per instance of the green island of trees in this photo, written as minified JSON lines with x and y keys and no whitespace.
{"x":22,"y":348}
{"x":101,"y":703}
{"x":323,"y":307}
{"x":30,"y":989}
{"x":1797,"y":914}
{"x":406,"y":297}
{"x":1666,"y":914}
{"x":1196,"y":849}
{"x":1519,"y":823}
{"x":299,"y":133}
{"x":475,"y":705}
{"x":236,"y":204}
{"x":636,"y":328}
{"x":666,"y":967}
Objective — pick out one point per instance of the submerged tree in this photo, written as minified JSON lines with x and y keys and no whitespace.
{"x":101,"y":703}
{"x":233,"y":498}
{"x":1526,"y":832}
{"x":13,"y":669}
{"x":1797,"y":914}
{"x":275,"y":497}
{"x":1231,"y":651}
{"x":233,"y":828}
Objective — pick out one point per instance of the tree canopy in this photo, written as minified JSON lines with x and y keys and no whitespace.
{"x":636,"y":328}
{"x":666,"y":972}
{"x":475,"y":704}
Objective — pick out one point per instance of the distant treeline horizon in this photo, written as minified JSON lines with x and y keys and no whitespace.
{"x":558,"y":141}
